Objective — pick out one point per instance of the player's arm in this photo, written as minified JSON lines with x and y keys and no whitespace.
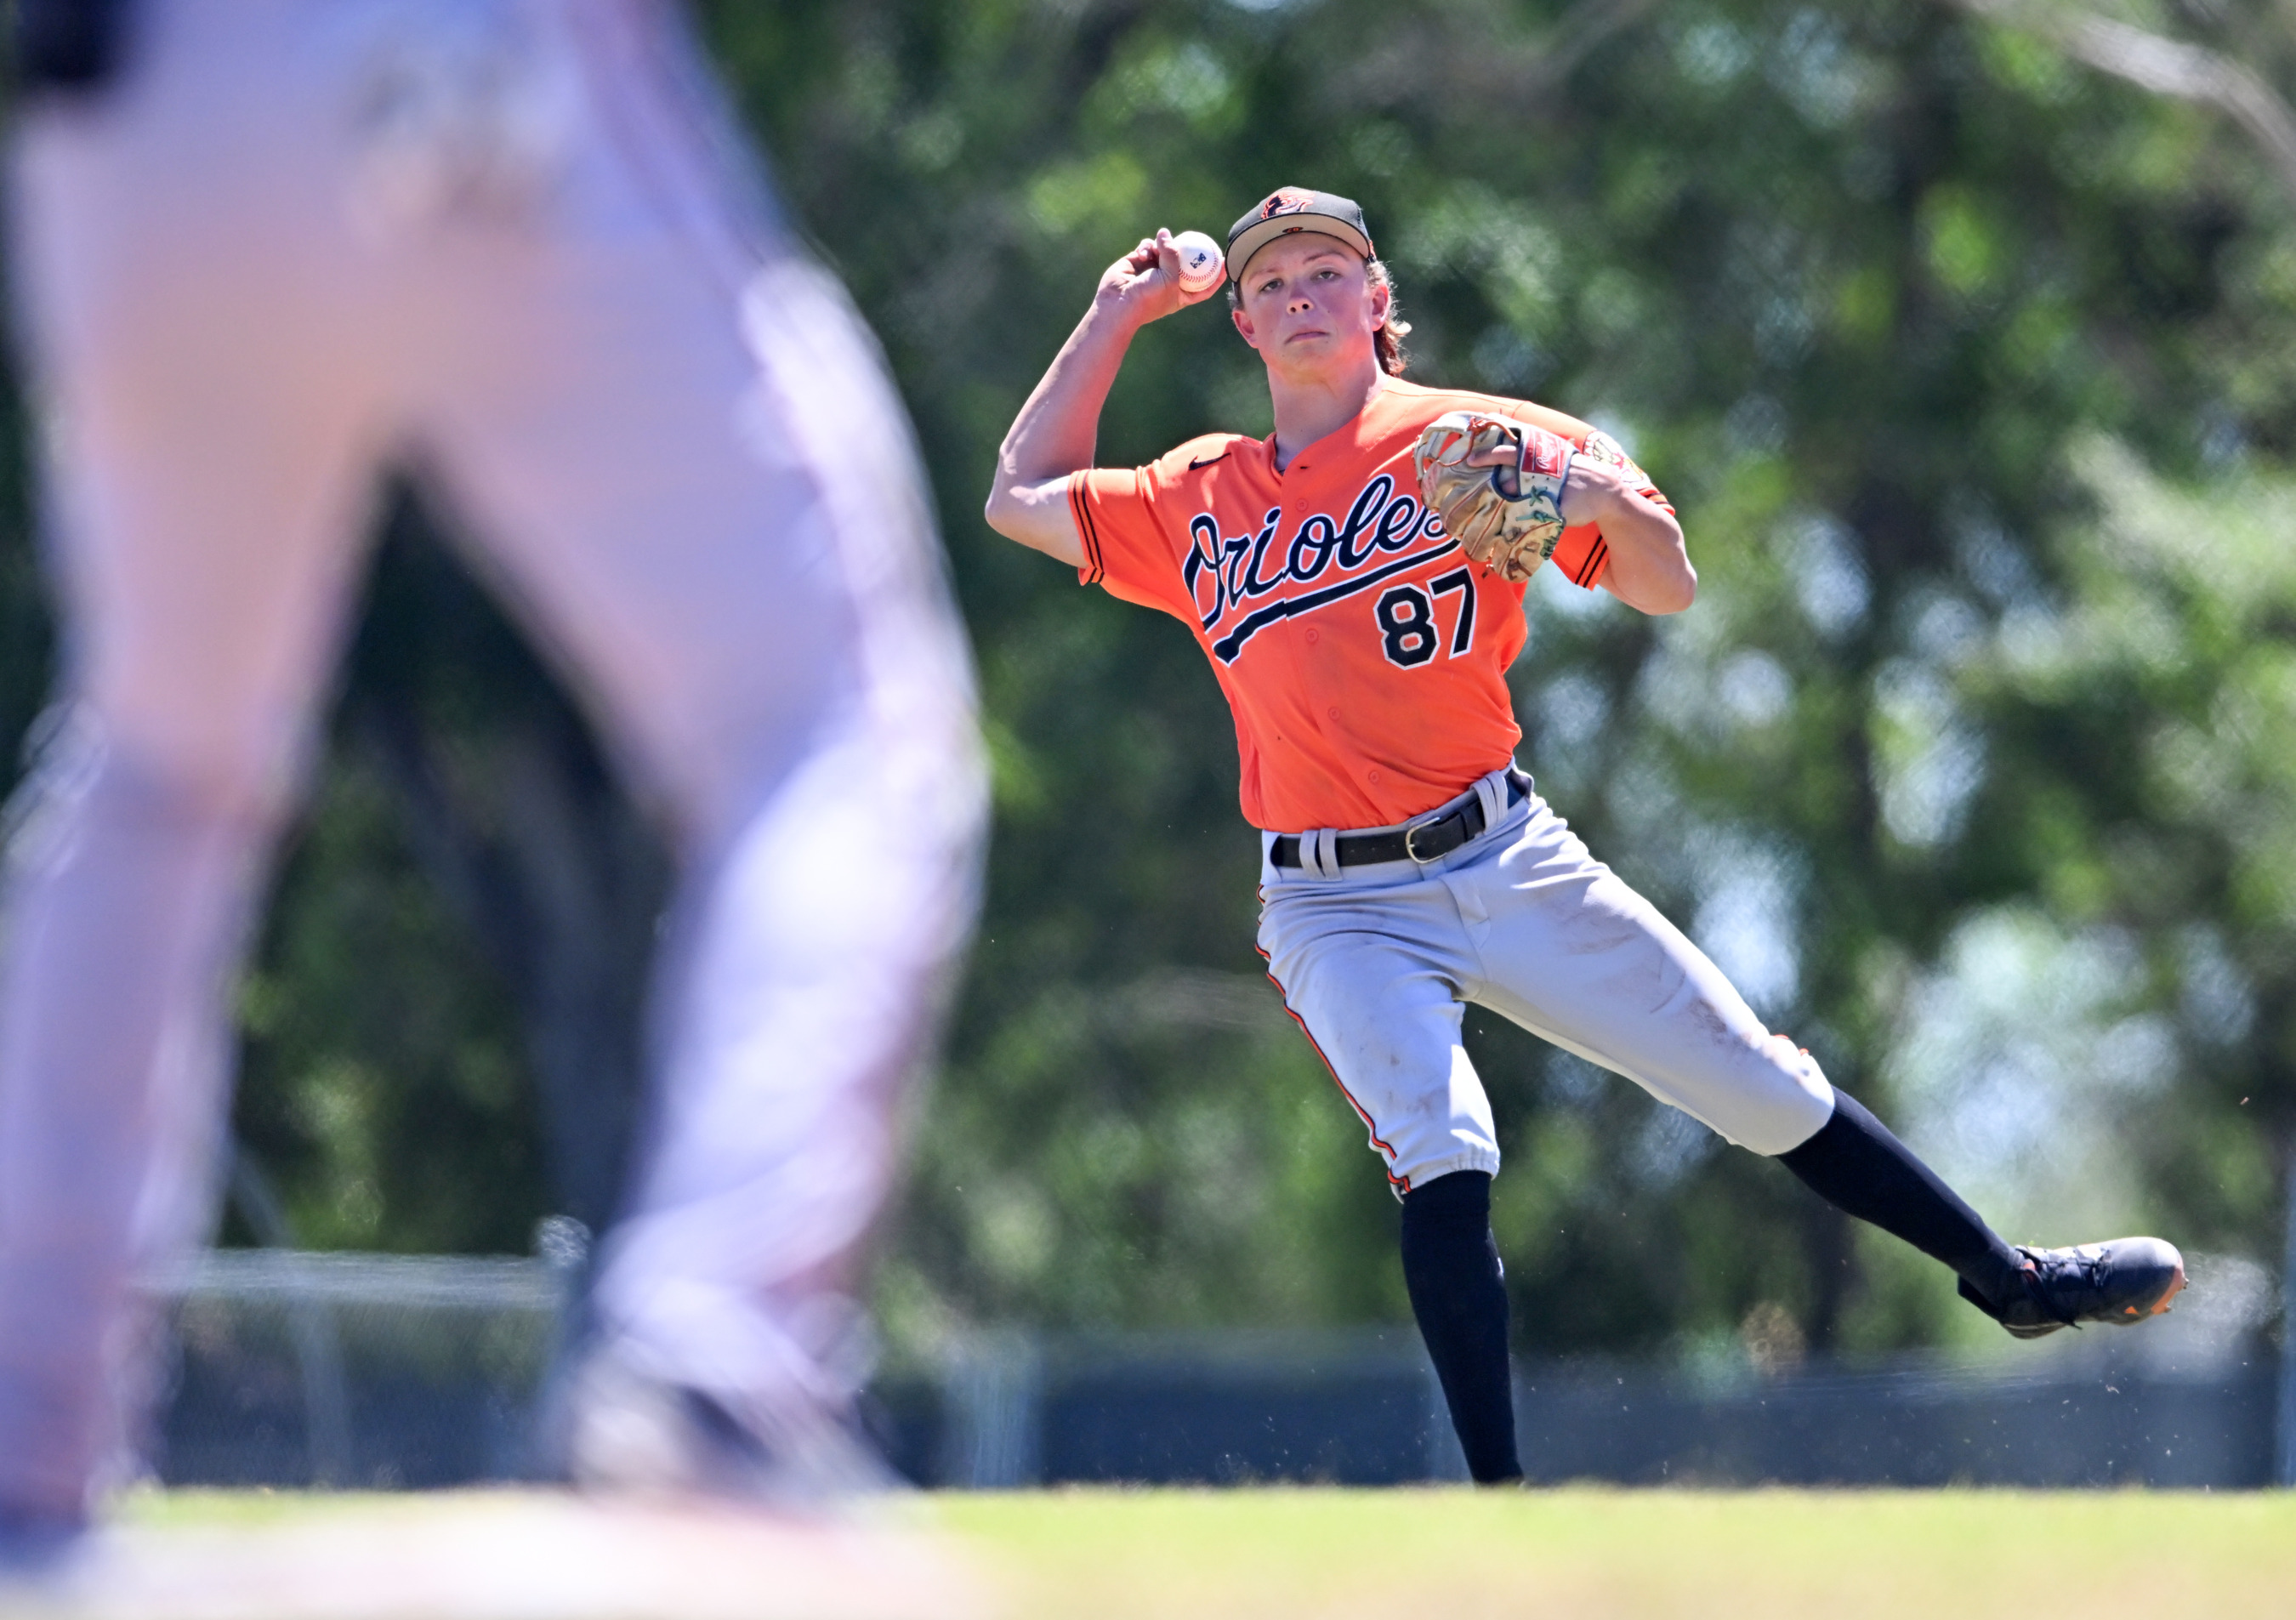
{"x":1054,"y":434}
{"x":1649,"y":567}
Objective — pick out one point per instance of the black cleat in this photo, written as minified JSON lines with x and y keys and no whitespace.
{"x":2122,"y":1282}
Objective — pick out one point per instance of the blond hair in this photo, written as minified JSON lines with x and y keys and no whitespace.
{"x":1388,"y":340}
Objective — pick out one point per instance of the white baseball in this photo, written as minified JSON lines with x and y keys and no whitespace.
{"x":1200,"y":265}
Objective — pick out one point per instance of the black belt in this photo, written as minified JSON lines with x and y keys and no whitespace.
{"x":1422,"y":841}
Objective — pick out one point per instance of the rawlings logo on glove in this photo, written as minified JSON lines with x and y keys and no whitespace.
{"x":1504,"y":508}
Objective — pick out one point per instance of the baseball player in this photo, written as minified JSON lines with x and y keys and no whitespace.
{"x":267,"y":249}
{"x":1356,"y":580}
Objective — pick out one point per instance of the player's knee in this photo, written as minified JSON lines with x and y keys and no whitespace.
{"x":86,"y":760}
{"x":1796,"y":1101}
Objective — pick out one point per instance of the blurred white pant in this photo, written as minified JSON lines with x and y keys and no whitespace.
{"x":500,"y":241}
{"x":1376,"y":960}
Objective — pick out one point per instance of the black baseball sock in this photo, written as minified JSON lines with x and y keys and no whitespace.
{"x":1451,"y":1267}
{"x":1854,"y":1164}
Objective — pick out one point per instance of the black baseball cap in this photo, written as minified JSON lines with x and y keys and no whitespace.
{"x":1289,"y":211}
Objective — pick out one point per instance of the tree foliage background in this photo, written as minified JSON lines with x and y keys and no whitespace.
{"x":1972,"y":371}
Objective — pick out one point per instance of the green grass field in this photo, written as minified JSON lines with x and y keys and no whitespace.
{"x":1948,"y":1555}
{"x":1321,"y":1554}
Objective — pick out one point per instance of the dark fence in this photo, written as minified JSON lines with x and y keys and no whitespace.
{"x":369,"y":1371}
{"x":2100,"y":1424}
{"x":358,"y":1370}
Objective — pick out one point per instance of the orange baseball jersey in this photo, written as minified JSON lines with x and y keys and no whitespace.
{"x":1363,"y":655}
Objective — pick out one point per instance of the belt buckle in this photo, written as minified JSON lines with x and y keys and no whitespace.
{"x":1411,"y":834}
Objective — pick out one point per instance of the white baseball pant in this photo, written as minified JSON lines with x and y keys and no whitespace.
{"x":500,"y":241}
{"x":1376,"y":960}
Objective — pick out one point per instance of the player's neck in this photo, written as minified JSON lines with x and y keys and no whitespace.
{"x":1309,"y":407}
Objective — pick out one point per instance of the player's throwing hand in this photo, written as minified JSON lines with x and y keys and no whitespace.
{"x":1146,"y":283}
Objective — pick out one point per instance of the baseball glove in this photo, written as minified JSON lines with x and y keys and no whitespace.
{"x":1508,"y":517}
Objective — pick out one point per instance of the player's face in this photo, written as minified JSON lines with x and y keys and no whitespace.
{"x":1307,"y":306}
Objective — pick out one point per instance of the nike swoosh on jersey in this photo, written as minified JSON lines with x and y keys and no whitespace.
{"x":1195,"y":465}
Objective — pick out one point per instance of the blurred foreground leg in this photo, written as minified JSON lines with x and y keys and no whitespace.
{"x":209,"y":457}
{"x":127,"y":901}
{"x":691,"y":475}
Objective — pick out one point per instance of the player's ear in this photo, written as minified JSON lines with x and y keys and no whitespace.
{"x":1243,"y":326}
{"x":1382,"y":298}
